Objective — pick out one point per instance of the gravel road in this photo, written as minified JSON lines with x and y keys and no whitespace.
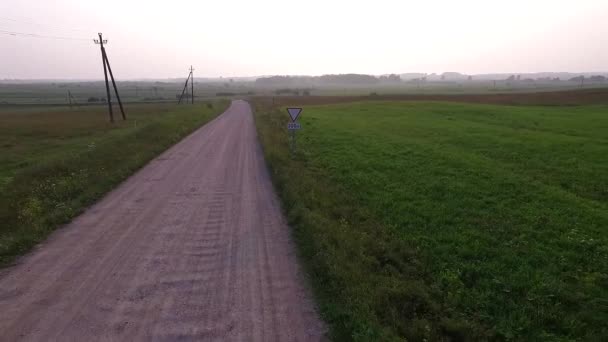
{"x":191,"y":247}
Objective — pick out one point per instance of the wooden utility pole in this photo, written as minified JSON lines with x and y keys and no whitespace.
{"x":122,"y":111}
{"x":189,"y":79}
{"x":106,"y":68}
{"x":192,"y":82}
{"x":184,"y":90}
{"x":105,"y":74}
{"x":70,"y":99}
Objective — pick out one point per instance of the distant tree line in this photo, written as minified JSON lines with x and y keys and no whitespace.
{"x":231,"y":93}
{"x":340,"y":79}
{"x":96,"y":99}
{"x":592,"y":79}
{"x":581,"y":78}
{"x":288,"y":91}
{"x":304,"y":82}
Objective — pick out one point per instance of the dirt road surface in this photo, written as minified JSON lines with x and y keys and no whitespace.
{"x":191,"y":247}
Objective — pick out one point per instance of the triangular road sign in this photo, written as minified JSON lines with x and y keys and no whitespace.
{"x":294,"y":113}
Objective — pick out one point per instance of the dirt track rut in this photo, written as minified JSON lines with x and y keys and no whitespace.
{"x":191,"y":247}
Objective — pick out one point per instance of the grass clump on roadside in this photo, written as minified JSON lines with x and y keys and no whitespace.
{"x":446,"y":221}
{"x":56,"y":162}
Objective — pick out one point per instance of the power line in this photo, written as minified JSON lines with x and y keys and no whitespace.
{"x":35,"y":35}
{"x":43,"y":25}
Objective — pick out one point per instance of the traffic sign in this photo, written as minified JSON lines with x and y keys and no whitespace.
{"x":293,"y":126}
{"x":294,"y":113}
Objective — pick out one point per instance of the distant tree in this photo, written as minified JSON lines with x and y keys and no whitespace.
{"x":348,"y":79}
{"x":580,"y":79}
{"x":597,"y":78}
{"x":307,"y":81}
{"x":511,"y":78}
{"x":453,"y":76}
{"x":470,"y":78}
{"x":394,"y":78}
{"x":93,"y":99}
{"x":286,"y":91}
{"x":275,"y":81}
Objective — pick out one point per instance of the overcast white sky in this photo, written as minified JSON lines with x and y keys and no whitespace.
{"x":158,"y":39}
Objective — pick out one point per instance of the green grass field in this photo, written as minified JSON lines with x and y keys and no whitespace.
{"x":55,"y":161}
{"x":438,"y":221}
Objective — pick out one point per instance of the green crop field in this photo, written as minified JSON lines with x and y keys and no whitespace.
{"x":437,"y":220}
{"x":55,"y":161}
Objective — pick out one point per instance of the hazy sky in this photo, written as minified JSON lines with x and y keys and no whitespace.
{"x":244,"y":38}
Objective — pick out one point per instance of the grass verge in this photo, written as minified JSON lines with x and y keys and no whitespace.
{"x":56,"y":162}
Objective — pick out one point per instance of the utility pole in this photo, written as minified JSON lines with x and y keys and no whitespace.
{"x":192,"y":82}
{"x":184,"y":90}
{"x":70,"y":99}
{"x":189,"y":79}
{"x":73,"y":98}
{"x":122,"y":111}
{"x":105,"y":74}
{"x":106,"y":68}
